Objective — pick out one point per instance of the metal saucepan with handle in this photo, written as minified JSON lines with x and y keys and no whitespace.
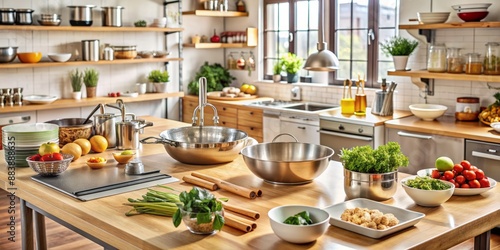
{"x":202,"y":145}
{"x":288,"y":163}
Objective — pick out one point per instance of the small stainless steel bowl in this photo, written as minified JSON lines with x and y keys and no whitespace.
{"x":49,"y":22}
{"x":50,"y":17}
{"x":376,"y":187}
{"x":7,"y":54}
{"x":134,"y":167}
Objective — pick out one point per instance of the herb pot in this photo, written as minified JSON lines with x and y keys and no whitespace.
{"x":372,"y":186}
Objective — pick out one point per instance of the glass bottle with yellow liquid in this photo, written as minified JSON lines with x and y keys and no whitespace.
{"x":347,"y":102}
{"x":360,"y":99}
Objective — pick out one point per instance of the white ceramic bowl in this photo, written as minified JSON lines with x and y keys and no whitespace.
{"x":295,"y":233}
{"x":428,"y":112}
{"x":496,"y":126}
{"x":433,"y":17}
{"x":428,"y":198}
{"x":60,"y":57}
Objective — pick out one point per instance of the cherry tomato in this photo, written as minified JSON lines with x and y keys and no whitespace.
{"x":479,"y":174}
{"x":118,"y":94}
{"x":443,"y":178}
{"x":448,"y":175}
{"x":458,"y":168}
{"x":474,"y":184}
{"x":465,"y":164}
{"x":484,"y":182}
{"x":435,"y":174}
{"x":460,"y":179}
{"x":469,"y":175}
{"x":465,"y":185}
{"x":473,"y":168}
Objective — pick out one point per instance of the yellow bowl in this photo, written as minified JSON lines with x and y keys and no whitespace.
{"x":29,"y":57}
{"x":97,"y":165}
{"x":122,"y":159}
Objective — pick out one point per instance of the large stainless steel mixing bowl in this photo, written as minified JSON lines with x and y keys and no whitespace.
{"x":287,"y":162}
{"x":7,"y":54}
{"x":377,"y":187}
{"x":202,"y":145}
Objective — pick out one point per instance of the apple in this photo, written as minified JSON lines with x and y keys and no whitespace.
{"x":49,"y":148}
{"x":444,"y":163}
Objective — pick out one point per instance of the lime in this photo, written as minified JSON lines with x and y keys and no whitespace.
{"x":127,"y":152}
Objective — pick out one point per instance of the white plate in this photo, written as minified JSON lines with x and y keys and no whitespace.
{"x":407,"y":218}
{"x":132,"y":94}
{"x":40,"y":99}
{"x":461,"y":191}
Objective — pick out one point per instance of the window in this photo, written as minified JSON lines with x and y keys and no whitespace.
{"x":290,"y":26}
{"x":355,"y":28}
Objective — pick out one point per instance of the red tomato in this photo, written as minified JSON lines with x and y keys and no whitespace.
{"x":36,"y":157}
{"x":484,"y":182}
{"x":118,"y":94}
{"x":435,"y":174}
{"x":473,"y":168}
{"x":448,"y":175}
{"x":469,"y":175}
{"x":474,"y":184}
{"x":465,"y":185}
{"x":460,"y":179}
{"x":443,"y":178}
{"x":465,"y":164}
{"x":458,"y":168}
{"x":52,"y":157}
{"x":479,"y":174}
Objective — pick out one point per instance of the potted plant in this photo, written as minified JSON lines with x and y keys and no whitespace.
{"x":291,"y":64}
{"x":90,"y":79}
{"x":400,"y":49}
{"x":217,"y":77}
{"x":277,"y":68}
{"x":76,"y":83}
{"x":372,"y":173}
{"x":159,"y":78}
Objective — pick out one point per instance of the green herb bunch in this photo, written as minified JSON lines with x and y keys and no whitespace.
{"x":158,"y":76}
{"x":202,"y":203}
{"x":76,"y":80}
{"x":217,"y":78}
{"x":91,"y":78}
{"x":398,"y":46}
{"x":291,"y":63}
{"x":364,"y":159}
{"x":277,"y":68}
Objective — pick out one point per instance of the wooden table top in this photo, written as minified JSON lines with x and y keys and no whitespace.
{"x":459,"y":219}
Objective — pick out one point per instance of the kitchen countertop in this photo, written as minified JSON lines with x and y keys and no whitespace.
{"x":368,"y":118}
{"x":447,"y":126}
{"x":104,"y":218}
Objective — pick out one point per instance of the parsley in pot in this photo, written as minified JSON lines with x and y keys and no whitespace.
{"x":364,"y":159}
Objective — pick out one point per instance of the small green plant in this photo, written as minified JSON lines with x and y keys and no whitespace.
{"x":201,"y":204}
{"x":277,"y":68}
{"x":91,"y":78}
{"x":398,"y":46}
{"x":76,"y":80}
{"x":217,"y":76}
{"x":158,"y":76}
{"x":291,"y":63}
{"x":140,"y":23}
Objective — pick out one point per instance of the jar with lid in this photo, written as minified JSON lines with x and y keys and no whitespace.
{"x":437,"y":58}
{"x":467,"y":109}
{"x":473,"y":64}
{"x":454,"y":60}
{"x":492,"y":59}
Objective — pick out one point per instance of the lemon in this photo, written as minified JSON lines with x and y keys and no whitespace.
{"x":127,"y":152}
{"x":252,"y":90}
{"x":244,"y":87}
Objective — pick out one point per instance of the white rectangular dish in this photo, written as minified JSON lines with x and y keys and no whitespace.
{"x":407,"y":218}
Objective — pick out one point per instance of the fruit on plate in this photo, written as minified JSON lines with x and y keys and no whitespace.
{"x":49,"y":147}
{"x":492,"y":113}
{"x":84,"y":145}
{"x":73,"y":149}
{"x":98,"y":143}
{"x":463,"y":175}
{"x":444,"y":163}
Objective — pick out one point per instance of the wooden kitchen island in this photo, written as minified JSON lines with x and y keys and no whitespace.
{"x":104,"y":220}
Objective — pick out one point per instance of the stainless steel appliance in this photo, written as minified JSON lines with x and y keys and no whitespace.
{"x":484,"y":155}
{"x":423,"y":149}
{"x":339,"y":133}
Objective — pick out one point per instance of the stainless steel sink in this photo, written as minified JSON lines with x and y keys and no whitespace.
{"x":311,"y":106}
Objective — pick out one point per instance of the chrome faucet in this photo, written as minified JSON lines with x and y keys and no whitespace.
{"x":202,"y":103}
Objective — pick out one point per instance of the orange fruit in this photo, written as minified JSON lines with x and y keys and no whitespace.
{"x":252,"y":90}
{"x":98,"y":143}
{"x":72,"y":149}
{"x":84,"y":144}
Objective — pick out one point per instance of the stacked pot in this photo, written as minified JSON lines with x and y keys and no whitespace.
{"x":82,"y":15}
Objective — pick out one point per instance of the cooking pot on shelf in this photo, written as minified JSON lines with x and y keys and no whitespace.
{"x":81,"y":15}
{"x":112,"y":16}
{"x":288,"y":163}
{"x":202,"y":145}
{"x":7,"y":16}
{"x":24,"y":16}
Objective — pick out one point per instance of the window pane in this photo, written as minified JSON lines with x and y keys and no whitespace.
{"x":359,"y":45}
{"x":383,"y":67}
{"x":360,"y":14}
{"x":272,"y":44}
{"x":343,"y":45}
{"x":344,"y":70}
{"x":307,"y":15}
{"x":343,"y":20}
{"x":387,"y":16}
{"x":306,"y":43}
{"x":359,"y":69}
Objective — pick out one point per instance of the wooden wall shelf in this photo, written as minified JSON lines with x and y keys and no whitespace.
{"x":461,"y":25}
{"x":15,"y":65}
{"x":446,"y":76}
{"x":87,"y":28}
{"x":85,"y":102}
{"x":215,"y":13}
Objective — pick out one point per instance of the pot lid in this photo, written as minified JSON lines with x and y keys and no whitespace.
{"x":81,"y":6}
{"x":25,"y":10}
{"x":113,"y":7}
{"x":6,"y":10}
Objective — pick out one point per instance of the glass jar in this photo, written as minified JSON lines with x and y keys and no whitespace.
{"x":437,"y":58}
{"x":473,"y":64}
{"x":491,"y":59}
{"x":467,"y":109}
{"x":454,"y":60}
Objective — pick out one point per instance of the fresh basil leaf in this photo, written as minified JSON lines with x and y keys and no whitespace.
{"x":218,"y":222}
{"x":177,"y":218}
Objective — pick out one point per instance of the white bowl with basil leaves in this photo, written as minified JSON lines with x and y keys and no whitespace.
{"x":308,"y":223}
{"x":427,"y":191}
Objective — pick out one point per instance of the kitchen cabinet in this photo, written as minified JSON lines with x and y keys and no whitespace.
{"x":305,"y":128}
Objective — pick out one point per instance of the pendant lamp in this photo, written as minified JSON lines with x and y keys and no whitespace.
{"x":324,"y":59}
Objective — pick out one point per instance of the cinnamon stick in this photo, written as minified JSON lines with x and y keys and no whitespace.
{"x":242,"y":211}
{"x":239,"y":190}
{"x":238,"y":224}
{"x":200,"y":182}
{"x":258,"y":192}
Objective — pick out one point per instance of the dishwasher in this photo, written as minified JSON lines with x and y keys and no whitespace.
{"x":484,"y":155}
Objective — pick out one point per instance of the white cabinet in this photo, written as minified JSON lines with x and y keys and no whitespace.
{"x":304,"y":127}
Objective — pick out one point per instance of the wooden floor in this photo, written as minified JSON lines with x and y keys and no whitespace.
{"x":61,"y":238}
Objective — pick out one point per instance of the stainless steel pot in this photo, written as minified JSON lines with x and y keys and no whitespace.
{"x":377,"y":187}
{"x":24,"y":16}
{"x":287,"y":162}
{"x":202,"y":145}
{"x":7,"y":16}
{"x":127,"y":133}
{"x":81,"y":15}
{"x":112,"y":16}
{"x":90,"y":50}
